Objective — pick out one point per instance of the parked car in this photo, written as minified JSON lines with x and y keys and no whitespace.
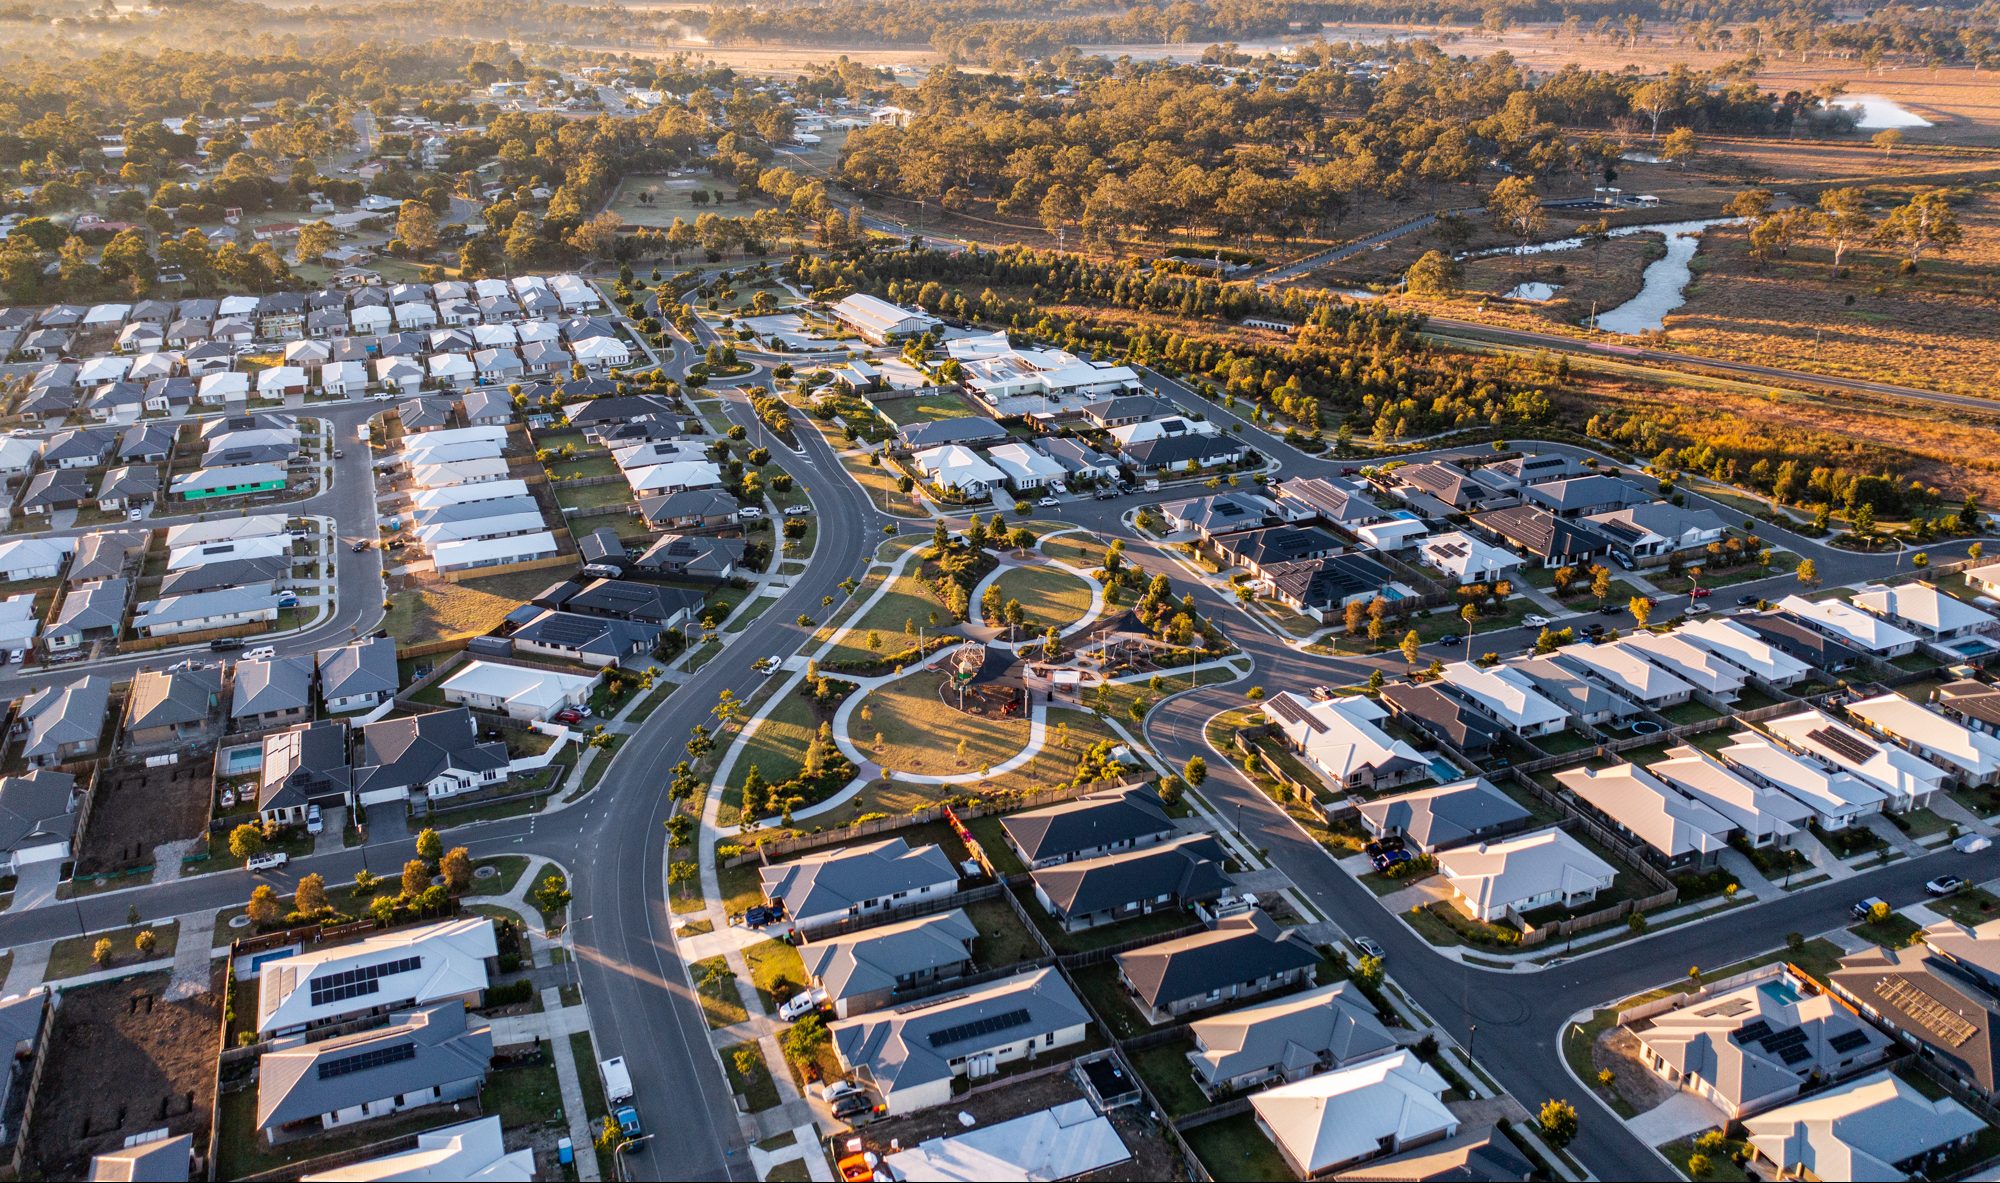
{"x":1322,"y":692}
{"x":340,"y":453}
{"x":799,"y":1005}
{"x":1696,"y":609}
{"x":1863,"y":909}
{"x":770,"y":665}
{"x":360,"y":545}
{"x":1389,"y":858}
{"x":750,"y":513}
{"x":1048,"y":503}
{"x":314,"y":822}
{"x":759,"y":915}
{"x":1701,"y":593}
{"x":261,"y":653}
{"x":1971,"y":843}
{"x":259,"y":863}
{"x":568,"y":715}
{"x":1369,"y":948}
{"x":1747,"y":601}
{"x":1106,"y":494}
{"x":1944,"y":885}
{"x":1536,"y":620}
{"x":226,"y":644}
{"x":797,"y":511}
{"x":1450,"y":639}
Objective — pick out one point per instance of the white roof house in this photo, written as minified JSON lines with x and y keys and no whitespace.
{"x":450,"y":369}
{"x":200,"y":554}
{"x":1508,"y":696}
{"x":517,"y":691}
{"x":1837,"y":798}
{"x":34,"y":558}
{"x":343,"y":377}
{"x":498,"y":525}
{"x":1972,"y":756}
{"x":1744,"y":649}
{"x":1763,"y":814}
{"x":492,"y":552}
{"x":223,"y":386}
{"x":1066,"y":1141}
{"x":469,"y":1152}
{"x":278,"y":380}
{"x":1466,"y":559}
{"x":96,"y":371}
{"x":1689,"y":662}
{"x":959,"y":468}
{"x":1383,"y":1105}
{"x":1984,"y":578}
{"x":1678,"y":828}
{"x":878,"y":320}
{"x":1025,"y":468}
{"x":1147,"y":430}
{"x":1340,"y":738}
{"x":1923,"y":609}
{"x":258,"y":525}
{"x":429,"y":499}
{"x":1907,"y":779}
{"x":599,"y":352}
{"x":674,"y":476}
{"x":402,"y":967}
{"x":1878,"y":1127}
{"x":1525,"y":872}
{"x":458,"y":472}
{"x":1844,"y":622}
{"x":1626,"y":672}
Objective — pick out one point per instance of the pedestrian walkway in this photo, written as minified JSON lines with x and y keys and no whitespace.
{"x":555,"y":1024}
{"x":31,"y":963}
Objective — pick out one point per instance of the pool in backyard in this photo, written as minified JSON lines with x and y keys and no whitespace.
{"x":240,"y":761}
{"x":1444,"y":770}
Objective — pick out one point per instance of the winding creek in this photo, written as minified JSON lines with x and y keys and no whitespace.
{"x":1663,"y":286}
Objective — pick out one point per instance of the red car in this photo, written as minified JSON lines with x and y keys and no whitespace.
{"x":1700,"y":593}
{"x":568,"y":715}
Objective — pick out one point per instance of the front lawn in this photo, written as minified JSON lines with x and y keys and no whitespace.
{"x":1970,"y":906}
{"x":71,"y":956}
{"x":715,"y":986}
{"x":756,"y":1087}
{"x":776,"y":970}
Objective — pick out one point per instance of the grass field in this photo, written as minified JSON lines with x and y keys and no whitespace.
{"x":1048,"y":597}
{"x":908,"y":603}
{"x":440,"y":611}
{"x":921,"y":734}
{"x":925,"y":408}
{"x":778,"y":746}
{"x":672,"y":198}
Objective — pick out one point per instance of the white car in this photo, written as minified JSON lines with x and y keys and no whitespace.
{"x":797,"y":511}
{"x":773,"y":664}
{"x":261,"y":653}
{"x":267,"y":862}
{"x":1971,"y":843}
{"x":315,"y":823}
{"x":1048,"y":503}
{"x":799,"y":1005}
{"x":1535,"y":620}
{"x":750,"y":513}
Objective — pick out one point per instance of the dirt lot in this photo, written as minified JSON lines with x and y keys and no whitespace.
{"x":122,"y":1062}
{"x":1152,"y":1153}
{"x":1618,"y":1050}
{"x":140,"y":808}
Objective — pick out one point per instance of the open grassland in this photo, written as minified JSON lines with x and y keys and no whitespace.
{"x":445,"y":611}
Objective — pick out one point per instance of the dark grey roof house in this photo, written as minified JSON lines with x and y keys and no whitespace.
{"x":304,"y":766}
{"x":175,"y":707}
{"x":273,"y":692}
{"x":358,"y":675}
{"x":1242,"y":956}
{"x":1096,"y":824}
{"x":1445,"y":816}
{"x":37,"y":818}
{"x":423,"y":1057}
{"x":1171,"y":875}
{"x":439,"y":753}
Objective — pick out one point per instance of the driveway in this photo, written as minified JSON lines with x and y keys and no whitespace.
{"x":1677,"y":1117}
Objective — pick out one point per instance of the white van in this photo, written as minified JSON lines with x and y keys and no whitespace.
{"x":267,"y":862}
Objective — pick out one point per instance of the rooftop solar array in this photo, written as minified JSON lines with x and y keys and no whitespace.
{"x":374,"y":1057}
{"x":1842,"y":744}
{"x":354,"y":983}
{"x":946,"y":1036}
{"x":1946,"y":1025}
{"x":1289,"y":709}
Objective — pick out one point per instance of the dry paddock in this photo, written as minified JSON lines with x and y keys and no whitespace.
{"x":122,"y":1061}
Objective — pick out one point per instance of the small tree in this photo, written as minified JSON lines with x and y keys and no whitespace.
{"x":1557,"y":1122}
{"x":416,"y":877}
{"x":311,"y":897}
{"x":553,"y":893}
{"x":246,"y":842}
{"x":1368,"y":972}
{"x":264,"y":909}
{"x":146,"y":942}
{"x":1195,"y":771}
{"x":609,"y":1134}
{"x":680,"y":828}
{"x":682,"y":873}
{"x":803,"y":1042}
{"x":1412,"y":647}
{"x":101,"y":953}
{"x":430,"y":847}
{"x":456,"y":867}
{"x":1435,"y":274}
{"x":1641,"y":609}
{"x":749,"y":1063}
{"x":1808,"y":573}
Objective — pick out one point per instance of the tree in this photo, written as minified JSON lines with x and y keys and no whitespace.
{"x":146,"y":942}
{"x":264,"y":909}
{"x":1368,"y":972}
{"x":1679,"y":147}
{"x":456,"y":866}
{"x":100,"y":953}
{"x":1923,"y":223}
{"x":1808,"y":573}
{"x":1600,"y":583}
{"x":311,"y":896}
{"x":803,"y":1042}
{"x":682,"y":873}
{"x":1557,"y":1122}
{"x":246,"y":841}
{"x":1843,"y":220}
{"x":609,"y":1134}
{"x":680,"y":827}
{"x":553,"y":893}
{"x":1888,"y":139}
{"x":1750,"y":204}
{"x":1195,"y":771}
{"x":315,"y":240}
{"x":1699,"y":1165}
{"x":1516,"y":208}
{"x":416,"y":877}
{"x":430,"y":847}
{"x":417,"y":226}
{"x":1434,"y":274}
{"x":1653,"y":100}
{"x":1641,"y":609}
{"x":1412,"y":647}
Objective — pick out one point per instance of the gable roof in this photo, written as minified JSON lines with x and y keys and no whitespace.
{"x":1497,"y":874}
{"x":875,"y":959}
{"x":412,"y":751}
{"x":1188,"y":868}
{"x":420,"y":1049}
{"x":1660,"y":816}
{"x":914,"y":1045}
{"x":1094,"y":820}
{"x":64,"y":714}
{"x":1240,"y":948}
{"x":1290,"y":1033}
{"x":1859,"y":1130}
{"x":1445,"y":815}
{"x":842,"y":879}
{"x":1766,"y":1037}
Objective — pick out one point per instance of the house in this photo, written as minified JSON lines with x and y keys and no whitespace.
{"x":79,"y":447}
{"x":1285,"y":1039}
{"x":1336,"y":501}
{"x":1984,"y":579}
{"x":227,"y":607}
{"x":1878,"y":1127}
{"x":237,"y":480}
{"x":1080,"y":462}
{"x":1258,"y":551}
{"x":1582,"y":696}
{"x":1677,"y":831}
{"x":1974,"y":704}
{"x":1494,"y":880}
{"x":593,"y":416}
{"x":878,"y":321}
{"x":129,"y":486}
{"x":1850,"y":626}
{"x":470,"y":1150}
{"x":432,"y":1056}
{"x":1173,"y":875}
{"x":1584,"y":496}
{"x":480,"y":520}
{"x":1627,"y":672}
{"x":1440,"y":488}
{"x":1743,"y":648}
{"x":1182,"y":452}
{"x":425,"y":414}
{"x":493,"y":552}
{"x":458,"y":472}
{"x":590,"y":640}
{"x":913,"y":1054}
{"x":1905,"y":779}
{"x":1438,"y":818}
{"x":1939,"y":995}
{"x":1508,"y":697}
{"x":439,"y":753}
{"x":488,"y":406}
{"x":398,"y":375}
{"x":1836,"y":797}
{"x":62,"y":721}
{"x":358,"y":675}
{"x":669,"y":607}
{"x":55,"y":489}
{"x":1762,"y":815}
{"x":1466,"y":560}
{"x":272,"y":692}
{"x":20,"y":623}
{"x":1096,"y":824}
{"x":829,"y":888}
{"x":103,"y":554}
{"x":1442,"y":715}
{"x":1971,"y":757}
{"x":1951,"y":625}
{"x":1220,"y":513}
{"x":689,"y":509}
{"x":1024,"y":468}
{"x":281,"y":382}
{"x":161,"y":1160}
{"x":450,"y":370}
{"x":880,"y":967}
{"x":1071,"y":1140}
{"x":1322,"y":588}
{"x":223,"y":386}
{"x":202,"y":554}
{"x":176,"y":707}
{"x":1341,"y":740}
{"x":1369,"y":1109}
{"x":1759,"y":1044}
{"x":1242,"y":956}
{"x":37,"y":818}
{"x":528,"y":693}
{"x":1653,"y":532}
{"x":1475,"y":1152}
{"x":92,"y":612}
{"x":691,"y":557}
{"x":302,"y":767}
{"x":1532,"y":468}
{"x":1551,"y":541}
{"x":601,"y":353}
{"x":1718,"y":680}
{"x":421,"y":966}
{"x":958,"y":470}
{"x":17,"y":457}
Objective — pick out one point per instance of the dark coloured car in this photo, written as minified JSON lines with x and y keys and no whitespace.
{"x":1450,"y":639}
{"x":760,"y":915}
{"x":226,"y":644}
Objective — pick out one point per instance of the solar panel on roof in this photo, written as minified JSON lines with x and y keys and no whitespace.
{"x":946,"y":1036}
{"x":567,"y":630}
{"x":1289,"y":709}
{"x":1947,"y":1026}
{"x":1848,"y":1041}
{"x":1751,"y":1032}
{"x":1842,"y":744}
{"x":374,"y":1057}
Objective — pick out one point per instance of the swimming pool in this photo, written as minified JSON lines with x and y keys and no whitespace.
{"x":1443,"y":769}
{"x":240,"y":761}
{"x":1782,"y":993}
